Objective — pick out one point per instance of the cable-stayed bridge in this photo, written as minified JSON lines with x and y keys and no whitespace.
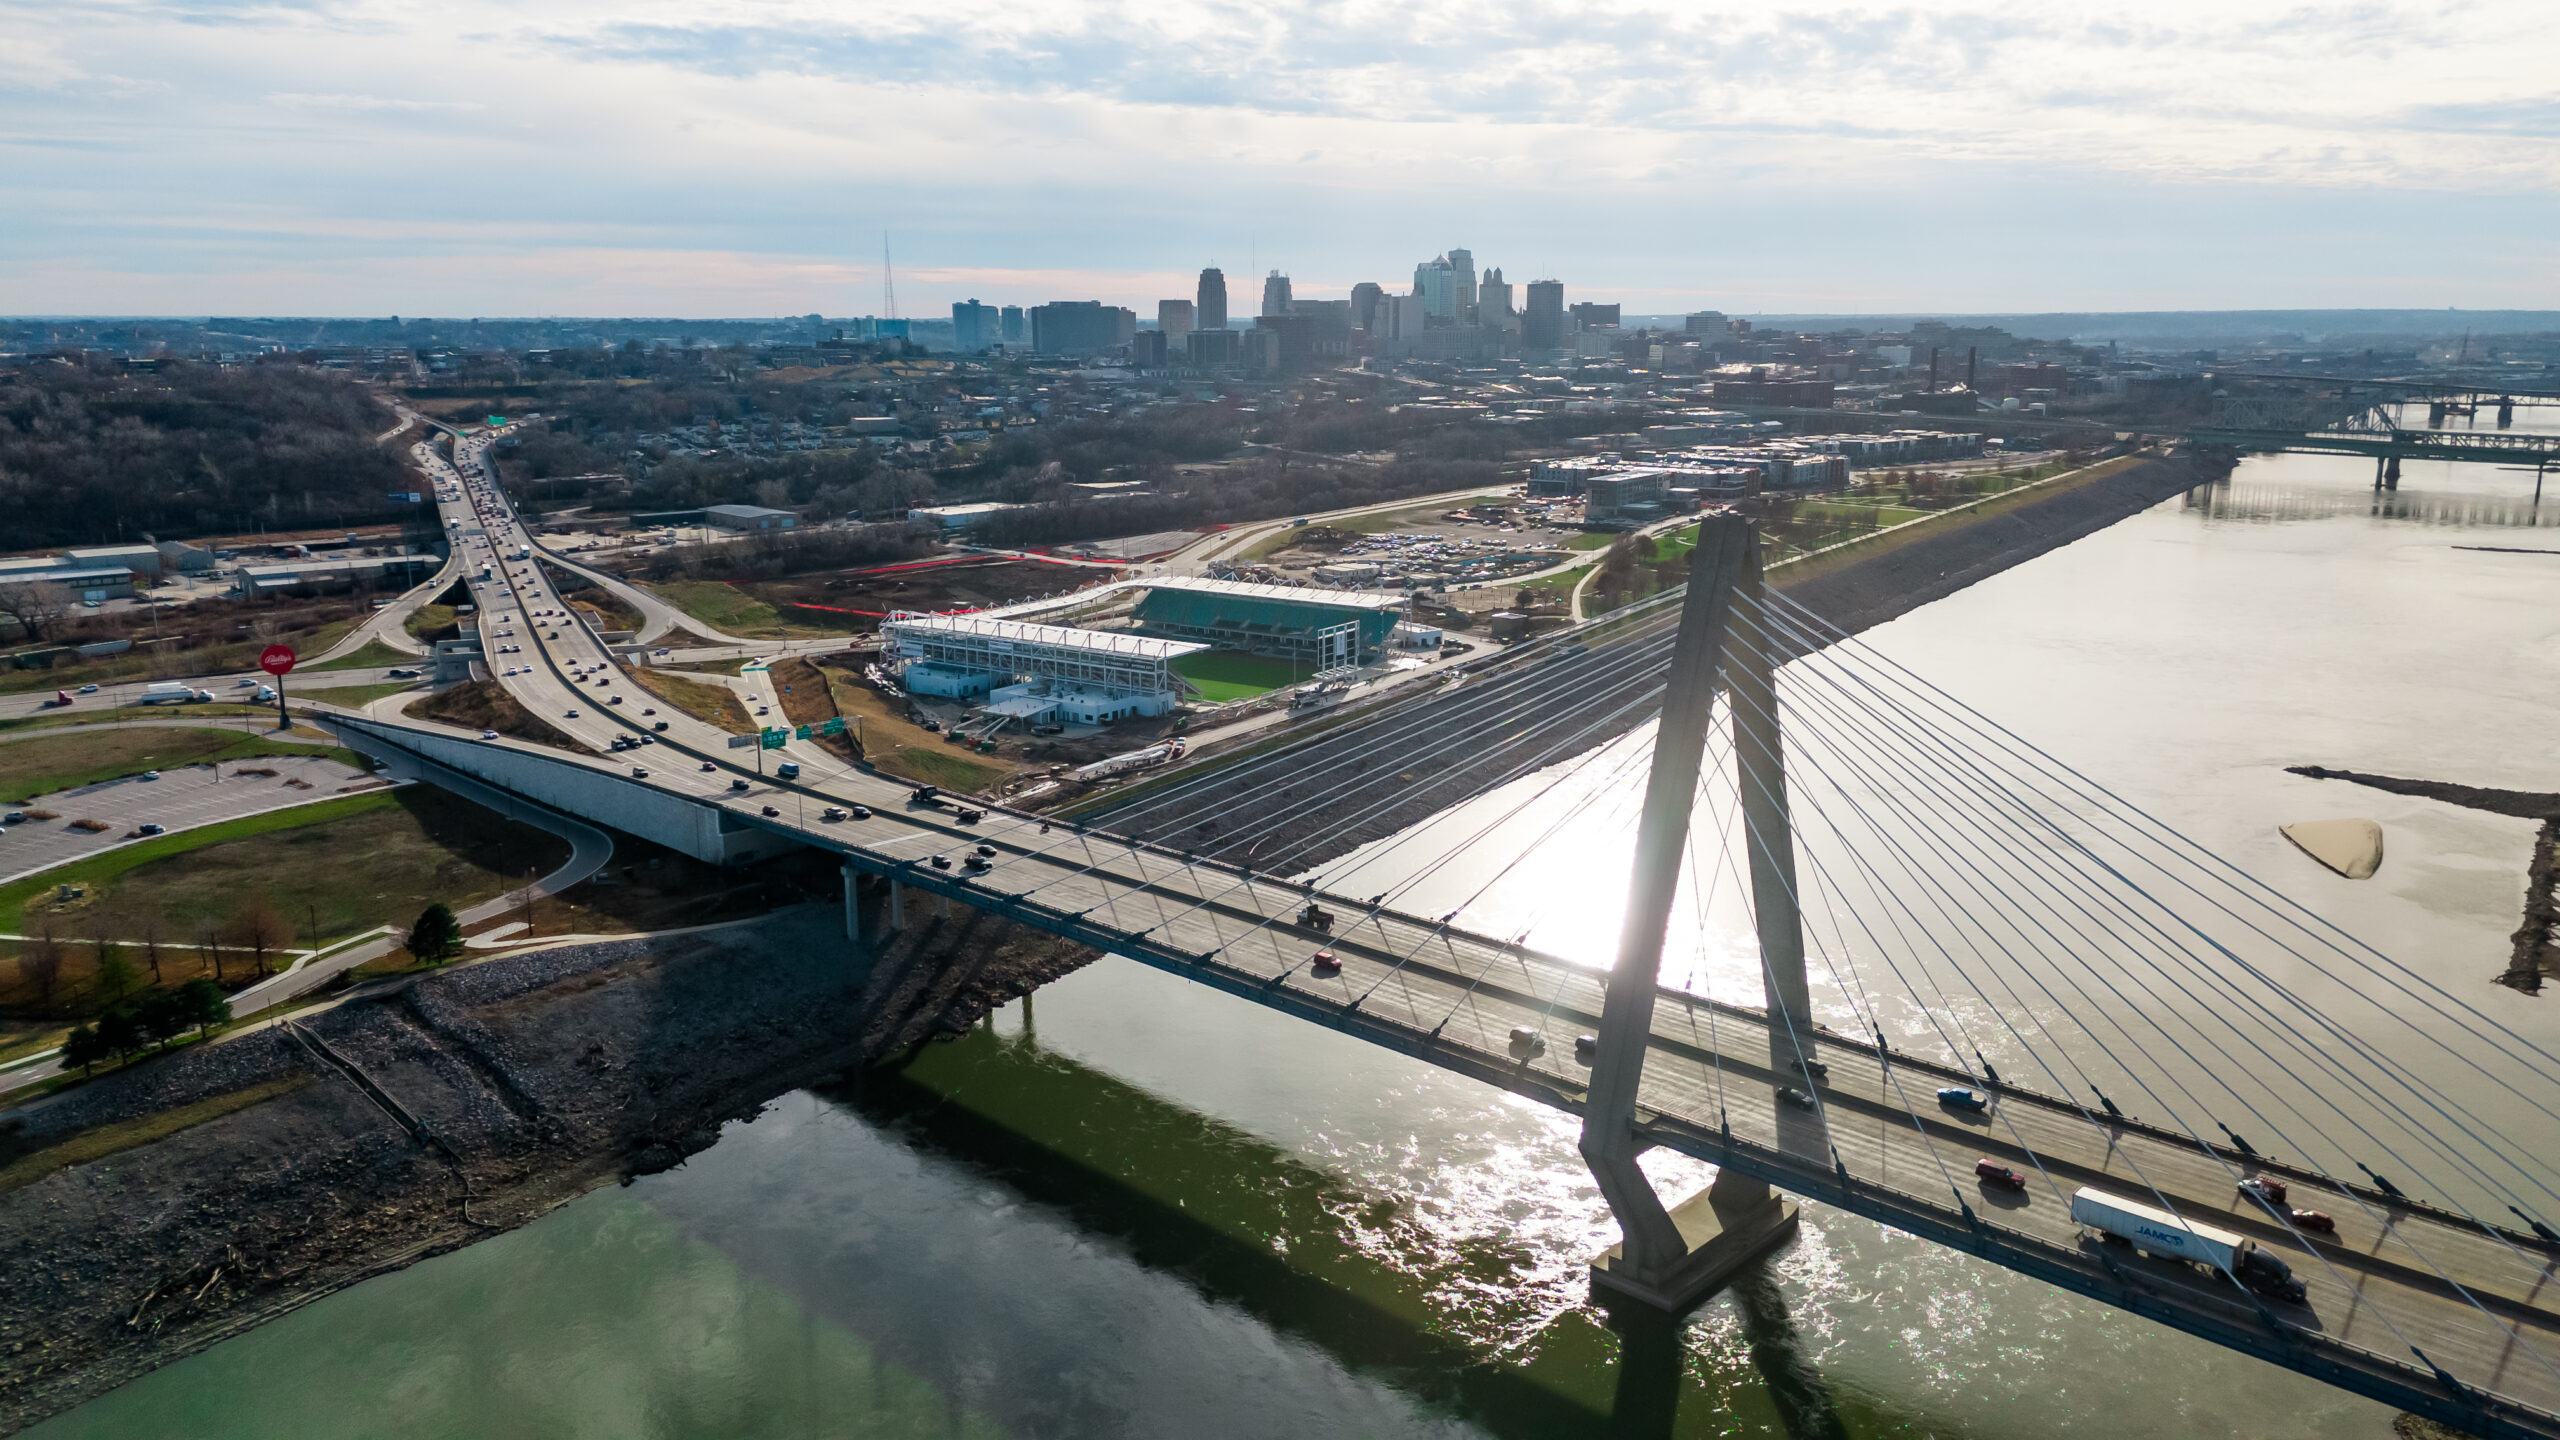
{"x":1929,"y":903}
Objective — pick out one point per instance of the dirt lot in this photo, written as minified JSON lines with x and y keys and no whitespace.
{"x":254,"y":1176}
{"x":857,"y":599}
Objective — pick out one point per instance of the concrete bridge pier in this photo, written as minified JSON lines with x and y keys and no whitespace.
{"x":2391,"y":473}
{"x":1670,"y":1260}
{"x":874,"y":908}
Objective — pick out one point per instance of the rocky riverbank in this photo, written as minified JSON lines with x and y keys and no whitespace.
{"x":368,"y":1136}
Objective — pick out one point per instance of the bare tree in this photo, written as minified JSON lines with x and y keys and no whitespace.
{"x":147,"y":924}
{"x":40,"y":964}
{"x":39,"y":606}
{"x":209,"y":946}
{"x":258,"y":929}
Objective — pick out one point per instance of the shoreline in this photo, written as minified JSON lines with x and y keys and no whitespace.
{"x":515,"y":1086}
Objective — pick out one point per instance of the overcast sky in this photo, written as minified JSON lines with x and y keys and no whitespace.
{"x":743,"y":157}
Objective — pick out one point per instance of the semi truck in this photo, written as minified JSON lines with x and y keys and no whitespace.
{"x":2159,"y":1233}
{"x":169,"y":692}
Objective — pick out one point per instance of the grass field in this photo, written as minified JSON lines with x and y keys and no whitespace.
{"x":722,"y":607}
{"x":76,"y":718}
{"x":1224,"y":675}
{"x":715,"y":703}
{"x":61,"y":762}
{"x":356,"y":696}
{"x":350,"y":863}
{"x":899,"y":748}
{"x":428,"y":619}
{"x":203,"y":660}
{"x":370,"y":655}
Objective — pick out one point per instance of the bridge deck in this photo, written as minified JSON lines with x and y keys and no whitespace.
{"x":1879,"y":1146}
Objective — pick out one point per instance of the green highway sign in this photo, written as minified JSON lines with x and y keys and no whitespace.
{"x":800,"y":732}
{"x":832,"y":727}
{"x":773,"y":738}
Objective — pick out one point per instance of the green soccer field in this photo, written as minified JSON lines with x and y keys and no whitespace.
{"x":1224,"y":675}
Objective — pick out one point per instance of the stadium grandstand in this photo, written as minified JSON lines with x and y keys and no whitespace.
{"x":1294,"y":622}
{"x":1034,"y":673}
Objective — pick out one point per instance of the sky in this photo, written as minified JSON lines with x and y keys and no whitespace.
{"x":747,"y":157}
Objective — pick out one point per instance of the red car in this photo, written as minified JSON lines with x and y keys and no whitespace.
{"x":1992,"y":1172}
{"x":2313,"y":1220}
{"x":1325,"y":963}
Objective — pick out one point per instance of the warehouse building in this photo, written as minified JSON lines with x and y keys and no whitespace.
{"x":1034,"y":673}
{"x":1331,"y":627}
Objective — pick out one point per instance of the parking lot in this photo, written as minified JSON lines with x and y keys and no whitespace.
{"x":179,"y":800}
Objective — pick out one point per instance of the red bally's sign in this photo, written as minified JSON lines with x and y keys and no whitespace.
{"x":276,"y":659}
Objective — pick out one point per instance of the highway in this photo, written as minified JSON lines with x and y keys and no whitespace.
{"x":1870,"y":1138}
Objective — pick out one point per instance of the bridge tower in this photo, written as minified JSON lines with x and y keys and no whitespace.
{"x":1670,"y":1261}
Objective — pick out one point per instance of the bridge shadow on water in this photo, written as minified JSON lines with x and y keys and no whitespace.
{"x":1459,"y":1324}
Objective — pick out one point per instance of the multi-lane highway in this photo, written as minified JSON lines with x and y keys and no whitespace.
{"x":1719,"y":1082}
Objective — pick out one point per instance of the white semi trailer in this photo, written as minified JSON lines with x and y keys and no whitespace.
{"x":2157,"y":1232}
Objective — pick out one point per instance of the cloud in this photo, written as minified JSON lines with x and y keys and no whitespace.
{"x":1945,"y":153}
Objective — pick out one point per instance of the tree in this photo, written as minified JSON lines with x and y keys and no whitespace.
{"x":258,"y":929}
{"x":120,"y":1030}
{"x":82,"y":1048}
{"x":116,"y":977}
{"x":39,"y":606}
{"x":204,"y":1005}
{"x":163,"y":1016}
{"x":40,"y":964}
{"x":437,"y":937}
{"x":148,"y":922}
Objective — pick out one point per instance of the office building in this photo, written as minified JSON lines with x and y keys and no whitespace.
{"x":1364,"y":305}
{"x":1275,"y":294}
{"x":1081,"y":327}
{"x":1173,"y":317}
{"x":1014,"y":333}
{"x":1214,"y":349}
{"x":973,"y":326}
{"x":1437,"y":283}
{"x":1212,"y":301}
{"x":1542,"y":318}
{"x":1462,"y":270}
{"x":1588,"y":315}
{"x":1148,"y":349}
{"x":1493,"y":302}
{"x":1708,"y":322}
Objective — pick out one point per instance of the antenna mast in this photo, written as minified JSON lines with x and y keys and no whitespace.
{"x":888,"y":282}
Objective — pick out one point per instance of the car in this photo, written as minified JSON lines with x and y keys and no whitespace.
{"x":737,"y":784}
{"x":92,"y":689}
{"x":150,"y":829}
{"x":648,"y":739}
{"x":639,"y":772}
{"x":150,"y":774}
{"x":772,"y":812}
{"x":832,"y":813}
{"x":1795,"y":1097}
{"x":1814,"y":1068}
{"x":708,"y":767}
{"x":2314,"y":1221}
{"x":974,"y":863}
{"x":401,"y":674}
{"x":941,"y":862}
{"x":1992,"y":1172}
{"x":764,"y":709}
{"x":989,"y":851}
{"x":649,"y":710}
{"x":1956,"y":1097}
{"x":570,"y":715}
{"x":488,"y":734}
{"x":2269,"y":1193}
{"x":661,"y":726}
{"x":14,"y":817}
{"x":860,"y":812}
{"x":1324,"y":962}
{"x":970,"y":817}
{"x":613,"y":699}
{"x":243,"y":685}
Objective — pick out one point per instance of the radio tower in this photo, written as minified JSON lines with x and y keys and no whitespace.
{"x":888,"y":282}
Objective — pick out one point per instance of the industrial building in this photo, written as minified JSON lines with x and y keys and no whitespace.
{"x":1034,"y":673}
{"x":748,"y":518}
{"x":1327,"y":626}
{"x":309,"y":577}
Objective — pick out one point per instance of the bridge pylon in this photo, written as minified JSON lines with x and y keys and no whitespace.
{"x":1671,"y":1260}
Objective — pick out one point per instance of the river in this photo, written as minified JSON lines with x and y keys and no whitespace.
{"x":1134,"y":1208}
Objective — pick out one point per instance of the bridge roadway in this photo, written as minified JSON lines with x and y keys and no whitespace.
{"x":1879,"y":1146}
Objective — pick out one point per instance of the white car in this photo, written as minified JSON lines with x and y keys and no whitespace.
{"x":488,"y":734}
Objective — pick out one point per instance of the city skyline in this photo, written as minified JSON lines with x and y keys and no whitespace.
{"x":649,"y":159}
